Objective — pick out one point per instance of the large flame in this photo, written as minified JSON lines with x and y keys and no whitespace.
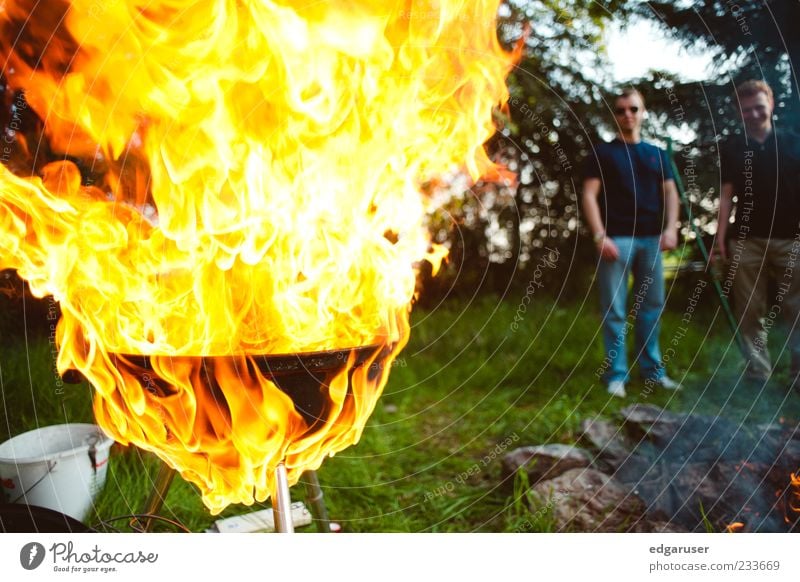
{"x":262,"y":165}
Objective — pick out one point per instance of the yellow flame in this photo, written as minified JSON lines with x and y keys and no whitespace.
{"x":794,"y":483}
{"x":262,"y":164}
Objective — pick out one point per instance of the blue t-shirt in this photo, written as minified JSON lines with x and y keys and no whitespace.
{"x":631,"y":186}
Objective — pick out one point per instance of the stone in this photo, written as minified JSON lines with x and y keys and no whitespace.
{"x":649,"y":421}
{"x":587,"y":500}
{"x":648,"y":414}
{"x":605,"y":437}
{"x":543,"y":461}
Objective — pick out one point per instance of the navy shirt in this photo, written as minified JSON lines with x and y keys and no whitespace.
{"x":631,"y":186}
{"x":766,"y":182}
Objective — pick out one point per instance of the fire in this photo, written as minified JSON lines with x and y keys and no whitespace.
{"x":734,"y":527}
{"x":261,"y":166}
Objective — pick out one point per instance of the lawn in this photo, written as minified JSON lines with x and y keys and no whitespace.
{"x":476,"y":380}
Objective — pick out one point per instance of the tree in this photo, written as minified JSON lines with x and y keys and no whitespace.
{"x":758,"y":40}
{"x":559,"y":98}
{"x":553,"y":117}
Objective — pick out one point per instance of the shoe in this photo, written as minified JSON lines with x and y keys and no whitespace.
{"x":617,"y":388}
{"x":667,"y":383}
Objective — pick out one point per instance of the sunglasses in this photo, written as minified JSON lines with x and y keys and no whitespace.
{"x":622,"y":110}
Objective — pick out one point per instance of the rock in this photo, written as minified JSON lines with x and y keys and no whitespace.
{"x":587,"y":500}
{"x":649,"y":421}
{"x":693,"y":470}
{"x":605,"y":437}
{"x":543,"y":461}
{"x":648,"y":414}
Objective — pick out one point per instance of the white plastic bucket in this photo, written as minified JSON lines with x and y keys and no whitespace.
{"x":60,"y":467}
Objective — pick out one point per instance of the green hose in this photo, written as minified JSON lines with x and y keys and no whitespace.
{"x":698,"y":236}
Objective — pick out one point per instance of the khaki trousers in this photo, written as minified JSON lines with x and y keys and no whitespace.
{"x":754,"y":261}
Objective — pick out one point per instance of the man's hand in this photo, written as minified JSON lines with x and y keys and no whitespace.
{"x":669,"y":239}
{"x":607,"y":250}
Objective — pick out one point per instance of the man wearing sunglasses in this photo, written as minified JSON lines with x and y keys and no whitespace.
{"x":761,"y":168}
{"x":631,"y":206}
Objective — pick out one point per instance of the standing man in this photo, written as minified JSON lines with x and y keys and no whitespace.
{"x":762,"y":170}
{"x":631,"y":207}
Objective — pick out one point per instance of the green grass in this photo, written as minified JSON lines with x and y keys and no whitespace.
{"x":467,"y":389}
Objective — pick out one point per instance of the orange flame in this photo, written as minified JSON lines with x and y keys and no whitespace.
{"x":734,"y":527}
{"x":262,"y":165}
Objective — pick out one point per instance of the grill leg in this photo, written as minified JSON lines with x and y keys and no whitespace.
{"x":155,"y":500}
{"x":316,"y":500}
{"x":282,"y":502}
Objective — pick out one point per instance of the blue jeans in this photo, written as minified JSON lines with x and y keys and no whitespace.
{"x":642,"y":255}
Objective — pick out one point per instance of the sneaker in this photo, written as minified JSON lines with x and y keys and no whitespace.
{"x":668,"y":383}
{"x":617,"y":388}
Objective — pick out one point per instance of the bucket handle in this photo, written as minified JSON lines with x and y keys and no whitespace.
{"x":51,"y":464}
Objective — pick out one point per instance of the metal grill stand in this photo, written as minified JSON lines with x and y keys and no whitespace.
{"x":316,"y":501}
{"x":281,"y":501}
{"x":155,"y":500}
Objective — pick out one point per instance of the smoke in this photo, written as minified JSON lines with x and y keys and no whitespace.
{"x":727,"y":456}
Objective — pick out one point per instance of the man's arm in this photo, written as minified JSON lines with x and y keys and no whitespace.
{"x":723,"y":218}
{"x":669,"y":238}
{"x":591,"y":210}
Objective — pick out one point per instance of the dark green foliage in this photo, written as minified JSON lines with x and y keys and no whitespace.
{"x":757,"y":40}
{"x":497,"y":232}
{"x":560,"y":94}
